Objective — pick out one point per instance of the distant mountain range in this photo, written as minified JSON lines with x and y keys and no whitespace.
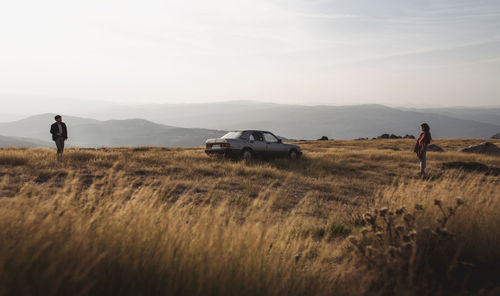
{"x":84,"y":132}
{"x":191,"y":124}
{"x":487,"y":115}
{"x":311,"y":122}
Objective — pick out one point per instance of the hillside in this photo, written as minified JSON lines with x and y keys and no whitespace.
{"x":487,"y":115}
{"x":139,"y":132}
{"x":23,"y":142}
{"x":85,"y":132}
{"x":164,"y":221}
{"x":38,"y":126}
{"x":312,"y":122}
{"x":185,"y":124}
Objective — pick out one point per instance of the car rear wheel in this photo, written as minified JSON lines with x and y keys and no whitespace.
{"x":247,"y":154}
{"x":293,"y":154}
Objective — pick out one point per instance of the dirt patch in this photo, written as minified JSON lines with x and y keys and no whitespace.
{"x":140,"y":173}
{"x":390,"y":148}
{"x":483,"y":148}
{"x":145,"y":173}
{"x":471,"y":167}
{"x":434,"y":148}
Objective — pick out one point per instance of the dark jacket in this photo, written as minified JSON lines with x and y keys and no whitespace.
{"x":54,"y":130}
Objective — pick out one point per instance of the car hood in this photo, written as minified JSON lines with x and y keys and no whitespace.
{"x":293,"y":146}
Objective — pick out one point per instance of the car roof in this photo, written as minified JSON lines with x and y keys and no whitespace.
{"x":252,"y":131}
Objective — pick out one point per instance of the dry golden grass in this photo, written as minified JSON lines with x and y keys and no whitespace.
{"x":167,"y":221}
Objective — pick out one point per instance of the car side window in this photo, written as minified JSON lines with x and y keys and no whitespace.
{"x":244,"y":136}
{"x":257,"y":136}
{"x":270,"y":138}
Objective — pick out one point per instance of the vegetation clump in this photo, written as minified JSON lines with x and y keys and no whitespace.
{"x":348,"y":219}
{"x":403,"y":257}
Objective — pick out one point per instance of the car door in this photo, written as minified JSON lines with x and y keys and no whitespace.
{"x":257,"y":142}
{"x":274,"y":145}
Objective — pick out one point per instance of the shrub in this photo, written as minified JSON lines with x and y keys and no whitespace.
{"x":339,"y":230}
{"x":331,"y":231}
{"x":433,"y":247}
{"x":403,"y":255}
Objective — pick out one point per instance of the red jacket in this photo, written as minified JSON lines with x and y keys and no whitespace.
{"x":422,"y":142}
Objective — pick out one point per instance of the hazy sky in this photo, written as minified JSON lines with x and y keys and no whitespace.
{"x":286,"y":51}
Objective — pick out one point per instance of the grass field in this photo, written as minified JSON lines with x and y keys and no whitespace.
{"x":349,"y":218}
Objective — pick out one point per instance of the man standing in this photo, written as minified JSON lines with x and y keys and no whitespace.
{"x":59,"y":134}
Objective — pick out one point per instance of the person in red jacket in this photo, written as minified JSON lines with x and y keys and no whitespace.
{"x":421,"y":146}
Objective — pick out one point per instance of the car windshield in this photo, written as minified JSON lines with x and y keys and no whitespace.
{"x":232,"y":135}
{"x":270,"y":138}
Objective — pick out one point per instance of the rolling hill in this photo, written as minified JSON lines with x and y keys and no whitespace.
{"x":311,"y":122}
{"x":84,"y":132}
{"x":23,"y":142}
{"x":487,"y":115}
{"x":190,"y":124}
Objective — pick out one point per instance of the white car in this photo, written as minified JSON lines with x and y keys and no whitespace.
{"x":251,"y":143}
